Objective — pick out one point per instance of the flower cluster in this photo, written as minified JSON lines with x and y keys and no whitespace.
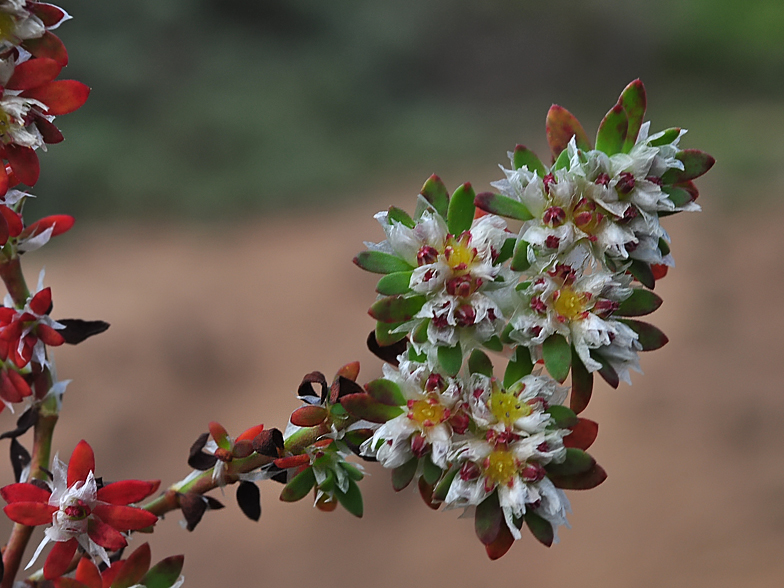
{"x":82,"y":511}
{"x":563,"y":291}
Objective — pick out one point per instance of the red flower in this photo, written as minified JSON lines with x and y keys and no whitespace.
{"x":82,"y":513}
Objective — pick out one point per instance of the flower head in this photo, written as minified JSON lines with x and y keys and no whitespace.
{"x":82,"y":511}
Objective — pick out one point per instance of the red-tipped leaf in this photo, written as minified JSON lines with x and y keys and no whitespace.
{"x":583,"y":434}
{"x":127,"y":491}
{"x":33,"y":73}
{"x":30,"y":513}
{"x":61,"y":96}
{"x":59,"y":559}
{"x":561,"y":127}
{"x":82,"y":462}
{"x":24,"y":163}
{"x":124,"y":518}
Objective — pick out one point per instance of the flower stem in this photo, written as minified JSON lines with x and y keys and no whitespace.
{"x":11,"y":273}
{"x":20,"y":535}
{"x":203,"y":483}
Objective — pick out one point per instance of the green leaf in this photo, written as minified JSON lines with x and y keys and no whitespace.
{"x":461,"y":211}
{"x":607,"y":372}
{"x":399,"y":215}
{"x":562,"y":162}
{"x":507,"y":250}
{"x":426,"y":492}
{"x":667,"y":137}
{"x":414,"y":356}
{"x":165,"y":573}
{"x":420,"y":332}
{"x":576,"y":462}
{"x":385,"y":336}
{"x":561,"y":127}
{"x":695,"y":163}
{"x":505,"y":334}
{"x":503,"y":543}
{"x":436,"y":194}
{"x":489,"y":519}
{"x":352,"y":499}
{"x":395,"y":283}
{"x":640,"y":303}
{"x":379,"y":262}
{"x":518,"y":367}
{"x":402,"y":475}
{"x":642,"y":271}
{"x":328,"y":485}
{"x":679,"y":196}
{"x":634,"y":103}
{"x":583,"y":434}
{"x":309,"y":415}
{"x":353,"y":471}
{"x":443,"y":486}
{"x":564,"y":417}
{"x":479,"y":363}
{"x":540,"y":528}
{"x":494,"y":344}
{"x":523,"y":156}
{"x":649,"y":336}
{"x":585,"y":481}
{"x":582,"y":384}
{"x":502,"y":206}
{"x":557,"y":356}
{"x":664,"y":247}
{"x":396,"y":309}
{"x":612,"y":131}
{"x":520,"y":261}
{"x":134,"y":568}
{"x":364,"y":406}
{"x":386,"y":392}
{"x":430,"y":471}
{"x":450,"y":359}
{"x":299,"y":486}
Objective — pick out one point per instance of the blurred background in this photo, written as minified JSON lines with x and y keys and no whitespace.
{"x":226,"y":169}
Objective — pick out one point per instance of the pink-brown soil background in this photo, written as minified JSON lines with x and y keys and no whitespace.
{"x":221,"y":322}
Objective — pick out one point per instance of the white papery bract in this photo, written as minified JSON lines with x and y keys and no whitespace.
{"x":578,"y":305}
{"x":431,"y":401}
{"x":457,"y":274}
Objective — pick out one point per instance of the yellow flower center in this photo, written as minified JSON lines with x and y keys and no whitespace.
{"x":507,"y":408}
{"x":570,"y":304}
{"x":500,"y":467}
{"x":7,"y":27}
{"x":427,"y":412}
{"x":458,"y":253}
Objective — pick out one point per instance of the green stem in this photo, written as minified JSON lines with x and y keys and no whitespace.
{"x":203,"y":483}
{"x":11,"y":273}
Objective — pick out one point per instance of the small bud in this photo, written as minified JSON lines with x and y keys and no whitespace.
{"x":547,"y":180}
{"x":538,"y":306}
{"x":469,"y":471}
{"x":435,"y":382}
{"x":465,"y":316}
{"x":461,"y":286}
{"x":602,"y":180}
{"x":532,"y":472}
{"x":419,"y":446}
{"x":427,"y":255}
{"x":554,"y":216}
{"x":625,"y":183}
{"x":460,"y":422}
{"x":552,"y":242}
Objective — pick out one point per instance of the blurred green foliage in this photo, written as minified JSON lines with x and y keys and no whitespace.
{"x":209,"y":108}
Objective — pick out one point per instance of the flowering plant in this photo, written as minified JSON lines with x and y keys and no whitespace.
{"x":548,"y":276}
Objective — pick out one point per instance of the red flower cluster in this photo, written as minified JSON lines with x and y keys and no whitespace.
{"x":23,"y":332}
{"x":81,"y":511}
